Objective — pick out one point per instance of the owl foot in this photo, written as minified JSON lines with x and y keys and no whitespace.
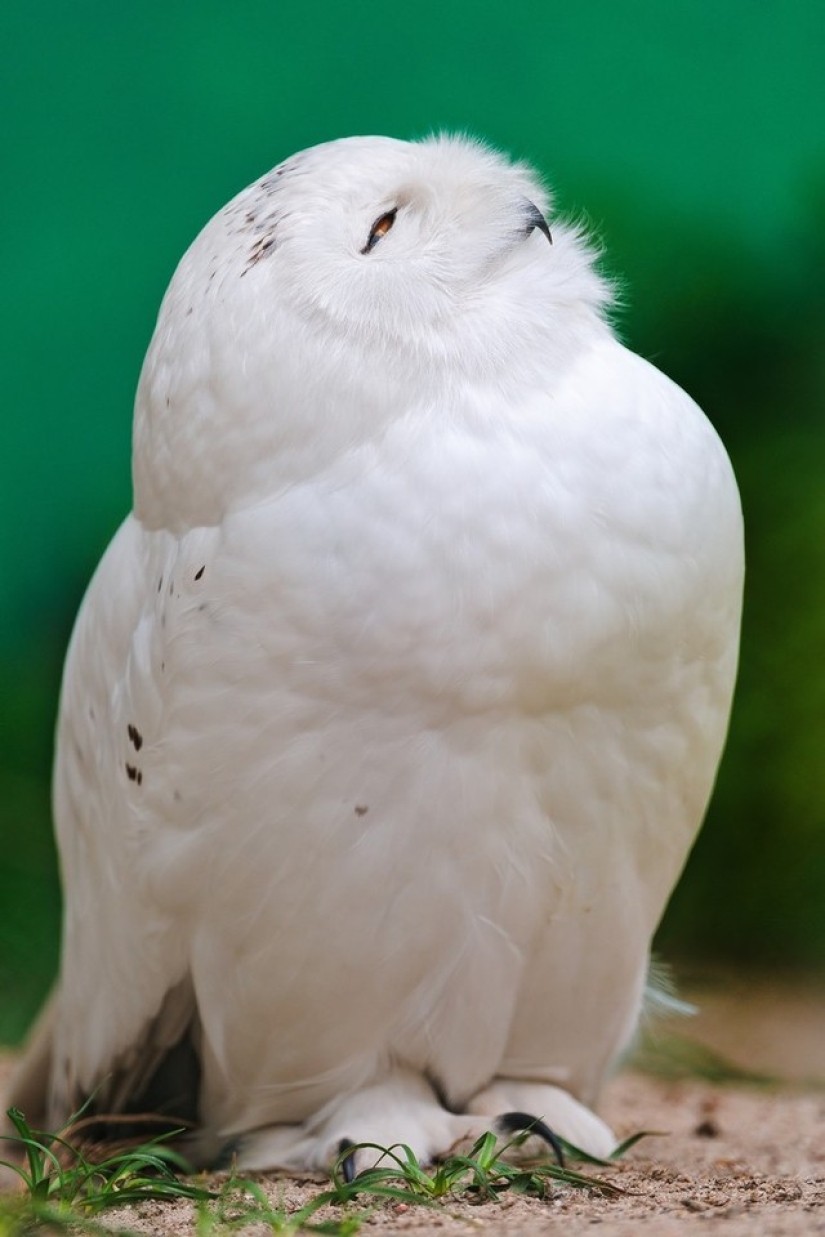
{"x":401,"y":1109}
{"x":568,"y":1117}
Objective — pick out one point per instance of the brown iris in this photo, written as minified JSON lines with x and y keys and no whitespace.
{"x":380,"y":228}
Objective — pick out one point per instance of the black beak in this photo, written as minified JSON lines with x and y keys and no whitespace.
{"x":533,"y":218}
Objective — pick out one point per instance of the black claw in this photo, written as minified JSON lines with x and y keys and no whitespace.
{"x":516,"y":1122}
{"x":226,"y":1155}
{"x":348,"y":1162}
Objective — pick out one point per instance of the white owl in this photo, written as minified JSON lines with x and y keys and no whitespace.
{"x":394,"y":707}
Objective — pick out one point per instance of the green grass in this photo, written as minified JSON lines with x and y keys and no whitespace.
{"x":66,"y":1190}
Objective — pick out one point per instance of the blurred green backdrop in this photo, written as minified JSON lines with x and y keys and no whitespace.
{"x":691,"y":137}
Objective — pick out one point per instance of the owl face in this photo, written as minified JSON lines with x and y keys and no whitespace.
{"x":397,"y":240}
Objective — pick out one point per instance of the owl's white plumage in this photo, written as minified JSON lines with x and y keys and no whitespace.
{"x":394,"y":707}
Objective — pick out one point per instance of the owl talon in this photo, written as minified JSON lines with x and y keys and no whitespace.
{"x":347,"y":1164}
{"x":517,"y":1122}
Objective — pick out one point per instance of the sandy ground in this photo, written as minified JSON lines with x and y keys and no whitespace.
{"x":730,"y":1158}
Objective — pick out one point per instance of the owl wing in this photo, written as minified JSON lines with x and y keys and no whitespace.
{"x":124,"y":999}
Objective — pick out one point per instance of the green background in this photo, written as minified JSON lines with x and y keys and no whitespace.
{"x":690,"y":136}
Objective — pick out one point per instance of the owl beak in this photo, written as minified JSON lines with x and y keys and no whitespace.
{"x":533,"y":218}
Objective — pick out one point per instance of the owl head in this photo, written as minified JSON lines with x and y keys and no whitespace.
{"x":359,"y":281}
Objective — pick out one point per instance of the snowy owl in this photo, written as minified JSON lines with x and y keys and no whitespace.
{"x":394,"y":706}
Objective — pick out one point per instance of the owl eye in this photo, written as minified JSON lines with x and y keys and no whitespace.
{"x":380,"y":228}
